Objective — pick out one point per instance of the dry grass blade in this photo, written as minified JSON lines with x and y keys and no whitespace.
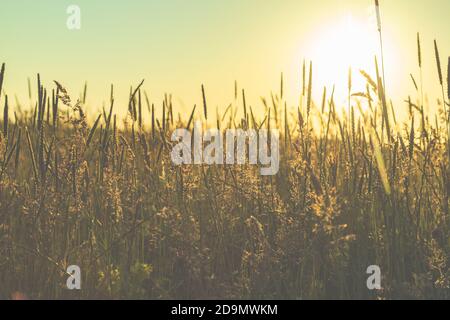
{"x":308,"y":104}
{"x":281,"y":86}
{"x":32,"y":155}
{"x":414,"y":81}
{"x":438,"y":62}
{"x":382,"y":97}
{"x":2,"y":74}
{"x":324,"y":99}
{"x":361,"y":94}
{"x":205,"y":108}
{"x":377,"y":8}
{"x":131,"y":104}
{"x":419,"y":51}
{"x":191,"y":118}
{"x":303,"y":78}
{"x":244,"y":103}
{"x":411,"y":139}
{"x":448,"y":80}
{"x":84,"y":93}
{"x":153,"y":122}
{"x":5,"y":118}
{"x":369,"y":79}
{"x":17,"y":156}
{"x":92,"y":131}
{"x":381,"y":166}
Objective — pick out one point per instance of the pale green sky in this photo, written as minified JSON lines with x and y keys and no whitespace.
{"x":177,"y":45}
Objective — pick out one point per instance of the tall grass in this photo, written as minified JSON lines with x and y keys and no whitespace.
{"x":108,"y":198}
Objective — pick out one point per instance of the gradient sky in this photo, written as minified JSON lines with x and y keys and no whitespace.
{"x":177,"y":45}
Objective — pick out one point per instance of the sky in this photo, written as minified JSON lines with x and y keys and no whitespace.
{"x":178,"y":45}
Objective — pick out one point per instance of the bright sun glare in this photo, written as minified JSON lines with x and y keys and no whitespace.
{"x":347,"y":43}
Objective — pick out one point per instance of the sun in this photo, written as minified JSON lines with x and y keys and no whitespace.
{"x":346,"y":44}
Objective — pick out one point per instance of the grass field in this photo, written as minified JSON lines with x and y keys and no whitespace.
{"x":357,"y":186}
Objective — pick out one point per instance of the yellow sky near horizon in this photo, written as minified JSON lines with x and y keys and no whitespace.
{"x":178,"y":45}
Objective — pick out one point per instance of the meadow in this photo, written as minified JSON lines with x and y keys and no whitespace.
{"x":356,"y":187}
